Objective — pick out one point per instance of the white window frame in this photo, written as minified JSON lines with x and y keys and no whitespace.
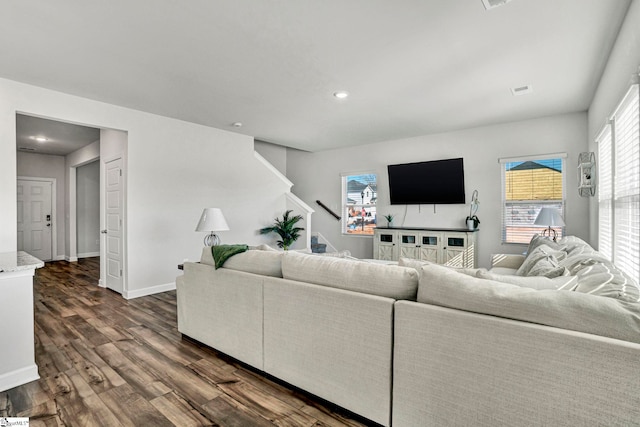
{"x":503,"y":162}
{"x":344,"y":205}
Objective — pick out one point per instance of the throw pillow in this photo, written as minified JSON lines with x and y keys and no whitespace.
{"x":541,"y":261}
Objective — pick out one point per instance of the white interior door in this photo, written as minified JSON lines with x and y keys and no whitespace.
{"x":114,"y":213}
{"x":35,"y":218}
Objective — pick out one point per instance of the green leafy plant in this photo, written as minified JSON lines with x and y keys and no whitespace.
{"x":389,"y":218}
{"x":286,"y":229}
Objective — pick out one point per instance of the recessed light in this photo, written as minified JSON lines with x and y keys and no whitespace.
{"x":39,"y":138}
{"x":341,"y":94}
{"x":237,"y":124}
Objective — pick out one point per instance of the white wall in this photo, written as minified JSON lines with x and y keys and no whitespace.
{"x":317,"y":176}
{"x":46,"y":166}
{"x":273,"y":153}
{"x":175,"y":169}
{"x":88,"y":209}
{"x":87,"y":154}
{"x":622,"y":64}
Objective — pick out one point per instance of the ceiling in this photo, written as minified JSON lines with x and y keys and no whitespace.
{"x":411,"y":67}
{"x":61,"y":138}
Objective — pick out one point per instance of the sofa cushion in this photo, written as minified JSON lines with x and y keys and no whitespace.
{"x":418,"y":264}
{"x":263,"y":262}
{"x":384,"y":280}
{"x":568,"y":310}
{"x":561,"y":283}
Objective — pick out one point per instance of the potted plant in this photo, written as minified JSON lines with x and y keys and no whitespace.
{"x":472,"y":219}
{"x":389,"y":219}
{"x":286,"y":229}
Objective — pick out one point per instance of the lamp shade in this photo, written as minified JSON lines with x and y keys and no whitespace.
{"x":549,"y":217}
{"x":212,"y":220}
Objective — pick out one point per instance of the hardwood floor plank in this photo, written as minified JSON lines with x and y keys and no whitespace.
{"x":229,"y":413}
{"x":178,"y":411}
{"x":193,"y":388}
{"x":267,"y":405}
{"x":176,"y":351}
{"x":107,"y":361}
{"x":72,"y":407}
{"x":137,"y":376}
{"x":136,"y":410}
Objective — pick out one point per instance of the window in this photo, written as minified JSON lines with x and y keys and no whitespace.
{"x":605,"y":193}
{"x":529,"y":184}
{"x":619,"y":186}
{"x":359,"y":196}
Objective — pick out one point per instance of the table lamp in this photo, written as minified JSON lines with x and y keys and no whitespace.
{"x":212,"y":220}
{"x":551,"y":218}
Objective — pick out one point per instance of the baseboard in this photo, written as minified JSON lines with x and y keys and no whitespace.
{"x":101,"y":284}
{"x":18,"y":377}
{"x":71,"y":259}
{"x":89,"y":254}
{"x":137,"y":293}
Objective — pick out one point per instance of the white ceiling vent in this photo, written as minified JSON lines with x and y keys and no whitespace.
{"x":522,"y":90}
{"x":490,"y":4}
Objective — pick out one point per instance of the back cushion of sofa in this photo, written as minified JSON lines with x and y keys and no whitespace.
{"x":263,"y":262}
{"x":562,"y":309}
{"x":376,"y":279}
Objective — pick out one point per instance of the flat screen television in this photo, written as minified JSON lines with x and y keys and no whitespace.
{"x":433,"y":182}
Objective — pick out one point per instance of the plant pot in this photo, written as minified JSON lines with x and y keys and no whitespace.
{"x":471,"y":224}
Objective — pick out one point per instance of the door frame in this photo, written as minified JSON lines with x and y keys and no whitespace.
{"x":103,"y":221}
{"x":54,"y":213}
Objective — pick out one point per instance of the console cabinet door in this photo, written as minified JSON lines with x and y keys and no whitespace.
{"x":455,"y":248}
{"x":385,"y":245}
{"x":431,"y":247}
{"x":409,"y":245}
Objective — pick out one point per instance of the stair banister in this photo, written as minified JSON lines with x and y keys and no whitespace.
{"x":336,"y":216}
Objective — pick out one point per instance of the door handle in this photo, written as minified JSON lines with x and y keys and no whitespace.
{"x":49,"y":225}
{"x":103,"y":231}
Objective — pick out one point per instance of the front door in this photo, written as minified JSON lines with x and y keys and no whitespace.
{"x":114,"y":219}
{"x":35,"y":218}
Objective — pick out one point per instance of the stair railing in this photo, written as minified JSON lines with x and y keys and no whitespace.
{"x":335,"y":215}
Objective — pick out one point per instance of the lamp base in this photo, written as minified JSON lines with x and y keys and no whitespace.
{"x":547,"y":233}
{"x":211,"y":239}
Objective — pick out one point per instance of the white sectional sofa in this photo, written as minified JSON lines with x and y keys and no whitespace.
{"x":420,"y":344}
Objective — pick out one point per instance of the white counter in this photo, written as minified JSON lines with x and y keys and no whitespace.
{"x":17,"y":358}
{"x":18,"y":261}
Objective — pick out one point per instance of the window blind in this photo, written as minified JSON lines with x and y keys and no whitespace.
{"x":626,"y":188}
{"x":605,"y":193}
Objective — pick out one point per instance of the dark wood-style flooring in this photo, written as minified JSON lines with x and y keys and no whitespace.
{"x":106,"y":361}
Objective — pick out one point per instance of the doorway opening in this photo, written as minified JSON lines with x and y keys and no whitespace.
{"x":71,"y":160}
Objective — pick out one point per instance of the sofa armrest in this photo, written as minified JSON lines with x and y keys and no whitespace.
{"x":507,"y":260}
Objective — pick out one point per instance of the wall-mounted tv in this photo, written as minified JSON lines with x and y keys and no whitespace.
{"x":433,"y":182}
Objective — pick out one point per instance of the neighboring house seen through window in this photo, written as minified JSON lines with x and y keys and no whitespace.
{"x":359,"y":196}
{"x":529,"y":184}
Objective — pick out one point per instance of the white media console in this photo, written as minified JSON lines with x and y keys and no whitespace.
{"x":454,"y":247}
